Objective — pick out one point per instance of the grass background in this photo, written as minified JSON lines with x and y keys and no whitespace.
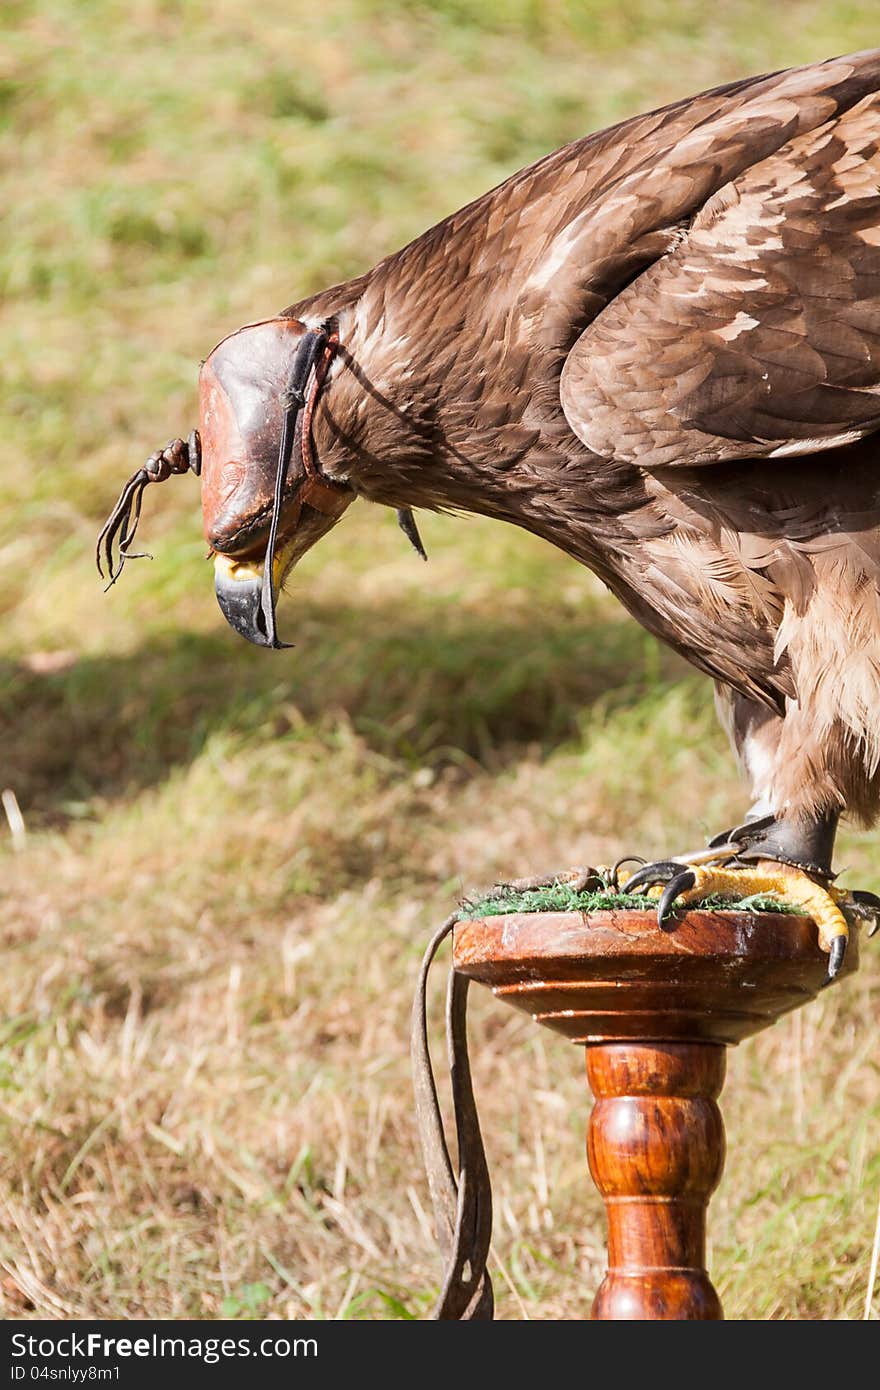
{"x":233,"y":858}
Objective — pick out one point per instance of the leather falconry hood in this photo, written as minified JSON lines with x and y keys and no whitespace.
{"x":257,"y":392}
{"x":265,"y":498}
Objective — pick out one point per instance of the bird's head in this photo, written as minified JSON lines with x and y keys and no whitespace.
{"x":265,"y":496}
{"x":266,"y":499}
{"x":268,"y":494}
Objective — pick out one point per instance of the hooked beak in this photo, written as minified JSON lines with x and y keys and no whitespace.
{"x":238,"y":585}
{"x":241,"y":582}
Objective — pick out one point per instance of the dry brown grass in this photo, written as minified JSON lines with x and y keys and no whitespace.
{"x":213,"y":930}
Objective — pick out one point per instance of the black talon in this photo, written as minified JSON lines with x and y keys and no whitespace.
{"x":861,"y":897}
{"x":864,"y":898}
{"x":680,"y":884}
{"x":835,"y":959}
{"x":614,"y":871}
{"x":661,"y":872}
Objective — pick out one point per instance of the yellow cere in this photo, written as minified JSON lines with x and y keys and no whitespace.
{"x":238,"y":570}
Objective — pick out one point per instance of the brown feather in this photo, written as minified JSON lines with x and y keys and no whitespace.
{"x":659,"y":348}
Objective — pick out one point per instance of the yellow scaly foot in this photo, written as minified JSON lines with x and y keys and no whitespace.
{"x":691,"y":883}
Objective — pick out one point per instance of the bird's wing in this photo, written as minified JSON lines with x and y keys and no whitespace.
{"x":758,"y":334}
{"x":544,"y":252}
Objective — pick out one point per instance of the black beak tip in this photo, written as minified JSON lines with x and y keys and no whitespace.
{"x":241,"y":603}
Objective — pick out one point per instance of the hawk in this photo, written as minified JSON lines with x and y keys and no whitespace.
{"x":658,"y":348}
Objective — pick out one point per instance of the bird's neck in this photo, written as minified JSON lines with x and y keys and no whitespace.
{"x":409,"y":433}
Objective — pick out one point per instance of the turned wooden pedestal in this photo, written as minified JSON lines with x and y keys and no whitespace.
{"x":655,"y":1011}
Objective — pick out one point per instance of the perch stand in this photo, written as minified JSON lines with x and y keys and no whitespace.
{"x":655,"y":1011}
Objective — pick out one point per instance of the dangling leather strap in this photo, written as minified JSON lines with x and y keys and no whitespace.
{"x":316,"y":350}
{"x":462,"y":1205}
{"x":327,"y":495}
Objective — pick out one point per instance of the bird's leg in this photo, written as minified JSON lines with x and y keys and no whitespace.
{"x":787,"y":856}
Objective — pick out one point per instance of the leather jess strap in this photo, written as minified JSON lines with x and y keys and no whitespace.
{"x":463,"y":1203}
